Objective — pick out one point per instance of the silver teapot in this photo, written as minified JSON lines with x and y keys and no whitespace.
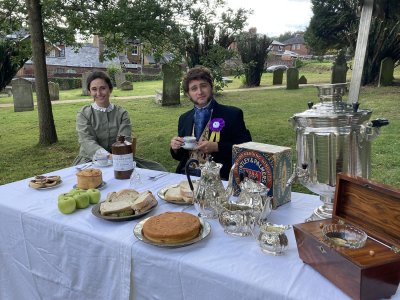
{"x":210,"y":192}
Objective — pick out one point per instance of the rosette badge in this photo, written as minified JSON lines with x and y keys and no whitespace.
{"x":215,"y":127}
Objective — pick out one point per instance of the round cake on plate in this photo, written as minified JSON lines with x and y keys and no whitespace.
{"x":171,"y":228}
{"x":89,"y":179}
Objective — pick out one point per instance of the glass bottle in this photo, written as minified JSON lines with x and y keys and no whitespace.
{"x":122,"y":158}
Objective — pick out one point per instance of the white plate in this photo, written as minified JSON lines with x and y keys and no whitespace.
{"x":101,"y":186}
{"x":204,"y":232}
{"x":161,"y":195}
{"x":188,"y":148}
{"x":109,"y":163}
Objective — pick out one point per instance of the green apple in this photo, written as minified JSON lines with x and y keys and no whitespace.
{"x":76,"y":191}
{"x":82,"y":200}
{"x":94,"y":195}
{"x":66,"y":203}
{"x":63,"y":196}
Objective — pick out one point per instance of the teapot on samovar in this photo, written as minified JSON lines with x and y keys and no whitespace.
{"x":332,"y":137}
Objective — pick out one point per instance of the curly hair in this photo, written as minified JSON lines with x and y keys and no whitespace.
{"x":197,"y":73}
{"x":97,"y":75}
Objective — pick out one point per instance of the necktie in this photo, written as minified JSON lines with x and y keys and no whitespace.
{"x":201,"y":117}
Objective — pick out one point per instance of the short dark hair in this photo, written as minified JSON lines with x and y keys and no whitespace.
{"x":197,"y":73}
{"x":97,"y":75}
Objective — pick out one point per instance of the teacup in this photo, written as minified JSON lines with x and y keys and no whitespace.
{"x":189,"y":142}
{"x":100,"y":158}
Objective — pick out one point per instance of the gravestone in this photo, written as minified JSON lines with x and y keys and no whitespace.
{"x":22,"y":95}
{"x":303,"y":80}
{"x":85,"y":76}
{"x":54,"y":91}
{"x":339,"y":68}
{"x":277,"y":77}
{"x":126,"y":86}
{"x":386,"y":72}
{"x":171,"y":84}
{"x":292,"y":79}
{"x":119,"y":78}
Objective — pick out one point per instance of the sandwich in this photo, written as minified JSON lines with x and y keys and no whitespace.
{"x":127,"y":202}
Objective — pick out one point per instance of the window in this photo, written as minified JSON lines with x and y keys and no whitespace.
{"x":59,"y":70}
{"x":298,"y":46}
{"x":52,"y":53}
{"x":293,"y":47}
{"x":135,"y":50}
{"x":62,"y":52}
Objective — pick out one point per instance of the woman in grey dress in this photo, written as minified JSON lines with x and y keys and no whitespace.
{"x":99,"y":123}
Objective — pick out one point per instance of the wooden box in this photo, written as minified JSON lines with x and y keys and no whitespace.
{"x":269,"y":164}
{"x":370,"y":272}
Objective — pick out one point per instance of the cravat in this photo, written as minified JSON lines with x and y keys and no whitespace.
{"x":201,"y":117}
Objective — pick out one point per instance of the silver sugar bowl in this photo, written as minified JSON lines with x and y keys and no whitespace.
{"x":272,"y":238}
{"x":236,"y":219}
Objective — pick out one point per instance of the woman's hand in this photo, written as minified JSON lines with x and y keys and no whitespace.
{"x":207,"y":147}
{"x":176,"y":143}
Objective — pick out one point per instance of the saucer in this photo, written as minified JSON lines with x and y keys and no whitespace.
{"x":109,"y":163}
{"x":186,"y":147}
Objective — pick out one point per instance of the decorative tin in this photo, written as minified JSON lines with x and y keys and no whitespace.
{"x":269,"y":164}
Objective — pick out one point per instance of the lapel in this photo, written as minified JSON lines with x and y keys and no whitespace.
{"x":188,"y":123}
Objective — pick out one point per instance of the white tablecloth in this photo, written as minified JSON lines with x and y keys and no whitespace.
{"x":47,"y":255}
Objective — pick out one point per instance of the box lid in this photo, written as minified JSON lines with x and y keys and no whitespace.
{"x":370,"y":206}
{"x":262,"y":147}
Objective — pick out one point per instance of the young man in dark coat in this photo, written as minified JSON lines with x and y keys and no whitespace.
{"x":217,"y":127}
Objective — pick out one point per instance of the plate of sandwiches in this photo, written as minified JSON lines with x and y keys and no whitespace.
{"x":172,"y":229}
{"x":125,"y":205}
{"x":179,"y":193}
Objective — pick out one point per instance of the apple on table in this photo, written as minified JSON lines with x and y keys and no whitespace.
{"x":94,"y":196}
{"x":82,"y":200}
{"x":66,"y":203}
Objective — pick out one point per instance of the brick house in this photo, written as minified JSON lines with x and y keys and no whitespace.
{"x":297,"y":44}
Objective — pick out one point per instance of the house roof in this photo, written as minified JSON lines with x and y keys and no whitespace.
{"x":87,"y":56}
{"x":298,"y":39}
{"x":277,"y":43}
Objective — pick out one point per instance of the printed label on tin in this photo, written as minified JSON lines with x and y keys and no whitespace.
{"x":123,"y":162}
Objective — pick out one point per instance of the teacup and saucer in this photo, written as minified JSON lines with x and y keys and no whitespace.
{"x":189,"y":142}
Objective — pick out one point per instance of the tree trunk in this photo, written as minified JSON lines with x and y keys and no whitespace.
{"x":47,"y":129}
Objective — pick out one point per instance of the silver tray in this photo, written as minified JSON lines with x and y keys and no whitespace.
{"x":204,"y":232}
{"x":100,"y":187}
{"x":161,"y":195}
{"x":47,"y":187}
{"x":96,"y":212}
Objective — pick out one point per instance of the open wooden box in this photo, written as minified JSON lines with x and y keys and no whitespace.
{"x":370,"y":272}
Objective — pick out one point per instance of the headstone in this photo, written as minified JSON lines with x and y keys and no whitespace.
{"x":227,"y":80}
{"x":85,"y":76}
{"x":171,"y":84}
{"x":119,"y":78}
{"x":292,"y":79}
{"x":277,"y":77}
{"x":386,"y":72}
{"x":303,"y":80}
{"x":126,"y":86}
{"x":22,"y":95}
{"x":339,"y":68}
{"x":54,"y":91}
{"x":158,"y":96}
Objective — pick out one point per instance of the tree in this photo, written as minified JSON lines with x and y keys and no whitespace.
{"x":334,"y":25}
{"x":253,"y":51}
{"x":47,"y":129}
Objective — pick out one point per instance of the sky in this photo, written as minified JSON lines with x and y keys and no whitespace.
{"x":275,"y":17}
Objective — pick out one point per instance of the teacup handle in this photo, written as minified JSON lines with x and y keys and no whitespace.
{"x":188,"y":163}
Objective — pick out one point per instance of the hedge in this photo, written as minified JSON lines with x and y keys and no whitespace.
{"x":67,"y":83}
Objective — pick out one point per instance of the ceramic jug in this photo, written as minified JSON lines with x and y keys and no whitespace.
{"x":210,"y":192}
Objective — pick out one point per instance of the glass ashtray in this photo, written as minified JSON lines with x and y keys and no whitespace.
{"x":342,"y":235}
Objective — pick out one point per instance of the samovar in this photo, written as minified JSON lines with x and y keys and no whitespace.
{"x":331,"y":137}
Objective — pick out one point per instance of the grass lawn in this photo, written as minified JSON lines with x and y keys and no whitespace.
{"x":266,"y":115}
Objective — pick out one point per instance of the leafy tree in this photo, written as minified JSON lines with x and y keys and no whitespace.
{"x":335,"y":26}
{"x":253,"y":51}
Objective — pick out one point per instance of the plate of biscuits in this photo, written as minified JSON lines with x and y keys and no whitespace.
{"x":41,"y":182}
{"x":172,"y":229}
{"x":179,"y":193}
{"x":125,"y":205}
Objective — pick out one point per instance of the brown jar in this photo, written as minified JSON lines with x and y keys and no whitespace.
{"x":122,"y":158}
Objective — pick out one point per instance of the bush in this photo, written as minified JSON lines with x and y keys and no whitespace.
{"x":133,"y":77}
{"x":67,"y":83}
